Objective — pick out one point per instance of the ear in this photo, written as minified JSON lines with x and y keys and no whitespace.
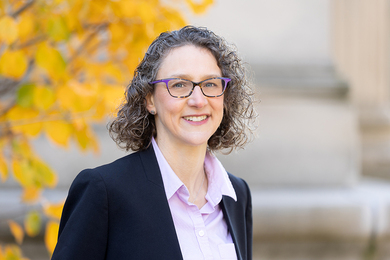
{"x":150,"y":103}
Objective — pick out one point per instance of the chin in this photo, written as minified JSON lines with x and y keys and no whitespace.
{"x":197,"y":140}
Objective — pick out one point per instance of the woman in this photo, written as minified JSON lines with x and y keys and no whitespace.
{"x":171,"y":199}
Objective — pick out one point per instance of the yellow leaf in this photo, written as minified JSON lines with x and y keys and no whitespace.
{"x":13,"y":64}
{"x":32,"y":173}
{"x":173,"y":19}
{"x":78,"y":97}
{"x":51,"y":61}
{"x":8,"y":29}
{"x":53,"y":210}
{"x":26,"y":25}
{"x":31,"y":194}
{"x":86,"y":139}
{"x":125,"y":8}
{"x":65,"y":97}
{"x":87,"y":95}
{"x":3,"y":168}
{"x":25,"y":94}
{"x":24,"y":120}
{"x":51,"y":234}
{"x":21,"y":147}
{"x":114,"y":71}
{"x":13,"y":252}
{"x":131,"y":62}
{"x":16,"y":231}
{"x":69,"y":17}
{"x":146,"y":12}
{"x":143,"y":35}
{"x":43,"y":97}
{"x":79,"y":124}
{"x":23,"y":172}
{"x":113,"y":96}
{"x":199,"y":8}
{"x":44,"y":176}
{"x":100,"y":112}
{"x":98,"y":11}
{"x":93,"y":71}
{"x":58,"y":29}
{"x":118,"y":31}
{"x":58,"y":131}
{"x":32,"y":223}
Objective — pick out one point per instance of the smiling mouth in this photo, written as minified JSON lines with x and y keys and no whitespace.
{"x":195,"y":118}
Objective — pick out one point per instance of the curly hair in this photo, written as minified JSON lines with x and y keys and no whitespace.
{"x":134,"y":126}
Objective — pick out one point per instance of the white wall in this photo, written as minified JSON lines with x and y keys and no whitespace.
{"x":273,"y":31}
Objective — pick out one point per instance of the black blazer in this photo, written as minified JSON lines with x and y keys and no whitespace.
{"x":120,"y":211}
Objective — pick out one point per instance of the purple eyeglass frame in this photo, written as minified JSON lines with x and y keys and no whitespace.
{"x":227,"y":80}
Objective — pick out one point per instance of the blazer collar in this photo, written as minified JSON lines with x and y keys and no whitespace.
{"x":150,"y":164}
{"x":232,"y":218}
{"x":153,"y":174}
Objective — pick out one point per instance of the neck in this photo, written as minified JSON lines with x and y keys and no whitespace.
{"x":188,"y":164}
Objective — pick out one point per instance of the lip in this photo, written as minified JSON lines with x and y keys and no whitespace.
{"x":196,"y":122}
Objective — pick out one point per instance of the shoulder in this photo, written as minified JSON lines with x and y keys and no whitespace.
{"x":240,"y":186}
{"x":102,"y":171}
{"x":131,"y":168}
{"x":132,"y":162}
{"x":237,"y":182}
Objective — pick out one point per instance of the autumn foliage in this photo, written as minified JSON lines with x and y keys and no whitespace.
{"x":63,"y":66}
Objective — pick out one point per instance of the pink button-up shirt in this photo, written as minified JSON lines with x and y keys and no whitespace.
{"x":202,"y":233}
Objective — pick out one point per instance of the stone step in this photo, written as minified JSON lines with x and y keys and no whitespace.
{"x":337,"y":214}
{"x":289,"y":223}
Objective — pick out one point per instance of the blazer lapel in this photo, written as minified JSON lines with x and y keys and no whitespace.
{"x":233,"y":221}
{"x":152,"y":172}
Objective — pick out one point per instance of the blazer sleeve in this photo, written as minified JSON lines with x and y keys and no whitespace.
{"x":84,"y":223}
{"x":249,"y":222}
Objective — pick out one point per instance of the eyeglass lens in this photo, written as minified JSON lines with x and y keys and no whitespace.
{"x":182,"y":87}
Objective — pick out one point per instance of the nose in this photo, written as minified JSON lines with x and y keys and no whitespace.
{"x":197,"y":98}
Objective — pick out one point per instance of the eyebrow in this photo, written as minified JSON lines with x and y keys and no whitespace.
{"x":185,"y":76}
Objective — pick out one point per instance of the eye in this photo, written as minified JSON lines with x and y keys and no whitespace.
{"x":178,"y":85}
{"x":209,"y":84}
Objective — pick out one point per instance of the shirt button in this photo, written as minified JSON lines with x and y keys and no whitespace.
{"x":201,"y":233}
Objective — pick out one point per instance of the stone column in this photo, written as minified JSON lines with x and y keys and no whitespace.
{"x":361,"y":52}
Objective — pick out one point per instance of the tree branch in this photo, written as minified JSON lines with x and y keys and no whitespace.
{"x":35,"y":40}
{"x":87,"y":40}
{"x":7,"y":108}
{"x":22,"y":8}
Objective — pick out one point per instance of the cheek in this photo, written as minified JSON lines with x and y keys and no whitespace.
{"x":222,"y":110}
{"x":169,"y":108}
{"x":161,"y":101}
{"x":221,"y":106}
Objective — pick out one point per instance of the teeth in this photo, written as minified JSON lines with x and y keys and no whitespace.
{"x":195,"y":118}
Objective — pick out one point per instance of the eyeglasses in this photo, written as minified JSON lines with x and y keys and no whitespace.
{"x":182,"y":88}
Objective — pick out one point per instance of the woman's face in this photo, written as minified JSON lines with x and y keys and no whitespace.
{"x":187,"y":121}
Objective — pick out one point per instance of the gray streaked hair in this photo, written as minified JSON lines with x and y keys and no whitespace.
{"x":134,"y":127}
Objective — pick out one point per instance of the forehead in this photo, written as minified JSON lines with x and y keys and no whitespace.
{"x":189,"y":60}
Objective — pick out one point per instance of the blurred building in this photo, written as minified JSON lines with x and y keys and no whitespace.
{"x":320,"y":164}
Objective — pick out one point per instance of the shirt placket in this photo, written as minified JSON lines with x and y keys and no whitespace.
{"x":200,"y":232}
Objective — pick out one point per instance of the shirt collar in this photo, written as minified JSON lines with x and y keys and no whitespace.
{"x":219,"y":183}
{"x":171,"y":182}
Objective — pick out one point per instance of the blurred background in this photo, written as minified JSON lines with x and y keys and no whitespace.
{"x":319,"y":167}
